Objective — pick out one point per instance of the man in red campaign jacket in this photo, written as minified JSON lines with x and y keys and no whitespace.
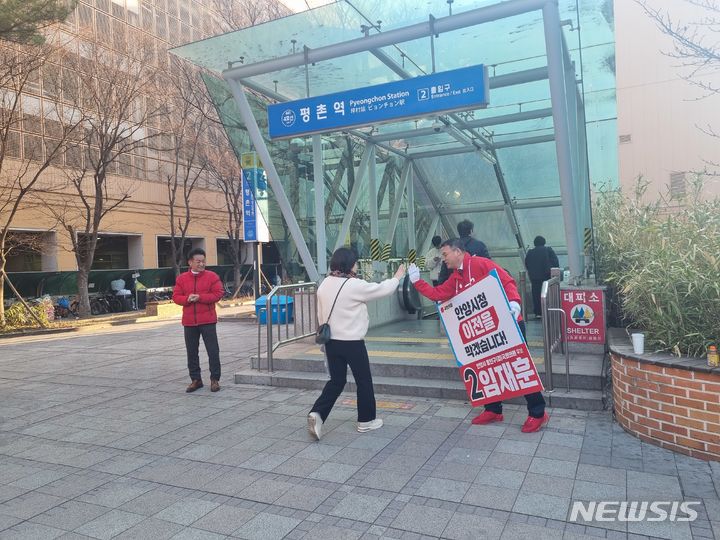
{"x":468,"y":270}
{"x":197,"y":291}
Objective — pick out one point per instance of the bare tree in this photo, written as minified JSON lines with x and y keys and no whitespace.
{"x":236,"y":14}
{"x":187,"y":113}
{"x":225,"y":175}
{"x":695,"y":43}
{"x":20,"y":67}
{"x":111,"y":92}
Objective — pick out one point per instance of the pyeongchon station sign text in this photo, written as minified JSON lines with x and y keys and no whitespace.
{"x":458,"y":89}
{"x":494,"y":360}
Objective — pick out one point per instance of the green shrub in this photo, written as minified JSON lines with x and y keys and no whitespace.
{"x":16,"y":316}
{"x":664,"y":261}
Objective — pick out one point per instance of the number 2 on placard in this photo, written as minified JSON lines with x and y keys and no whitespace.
{"x":470,"y":375}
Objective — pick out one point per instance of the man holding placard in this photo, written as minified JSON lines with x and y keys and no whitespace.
{"x":482,"y":317}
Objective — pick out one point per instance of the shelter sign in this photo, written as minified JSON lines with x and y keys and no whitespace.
{"x":494,"y":360}
{"x":254,"y":200}
{"x":458,"y":89}
{"x":585,"y":314}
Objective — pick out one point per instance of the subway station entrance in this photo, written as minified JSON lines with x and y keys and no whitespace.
{"x":518,"y":166}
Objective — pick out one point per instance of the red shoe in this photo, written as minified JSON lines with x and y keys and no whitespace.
{"x":532,"y":425}
{"x":487,"y":417}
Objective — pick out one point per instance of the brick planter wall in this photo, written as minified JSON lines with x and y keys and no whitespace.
{"x":673,"y":407}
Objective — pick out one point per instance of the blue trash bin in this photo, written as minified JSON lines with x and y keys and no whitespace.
{"x":282,"y":309}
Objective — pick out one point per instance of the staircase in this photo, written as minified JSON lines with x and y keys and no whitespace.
{"x":413,"y":359}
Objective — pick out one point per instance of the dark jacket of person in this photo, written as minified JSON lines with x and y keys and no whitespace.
{"x":471,"y":246}
{"x":539,"y":260}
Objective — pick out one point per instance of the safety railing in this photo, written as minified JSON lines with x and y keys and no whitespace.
{"x":554,"y":327}
{"x":522,"y":286}
{"x":292,"y":307}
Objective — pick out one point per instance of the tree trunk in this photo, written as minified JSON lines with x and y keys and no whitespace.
{"x":83,"y":293}
{"x":2,"y":298}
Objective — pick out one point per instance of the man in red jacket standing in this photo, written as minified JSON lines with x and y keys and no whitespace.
{"x":197,"y":291}
{"x":468,"y":270}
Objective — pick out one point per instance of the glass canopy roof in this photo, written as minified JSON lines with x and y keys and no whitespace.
{"x":460,"y":186}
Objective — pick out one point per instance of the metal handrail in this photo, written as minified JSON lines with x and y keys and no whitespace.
{"x":304,"y":320}
{"x":553,"y":333}
{"x":522,"y":285}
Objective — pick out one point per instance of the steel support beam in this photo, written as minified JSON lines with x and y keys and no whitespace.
{"x":410,"y":190}
{"x":509,"y":118}
{"x":274,"y":179}
{"x":390,"y":37}
{"x":550,"y":202}
{"x":372,"y":193}
{"x":354,"y":196}
{"x":558,"y":97}
{"x":319,"y":177}
{"x":399,"y":192}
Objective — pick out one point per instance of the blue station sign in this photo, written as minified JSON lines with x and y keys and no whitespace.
{"x":459,"y":89}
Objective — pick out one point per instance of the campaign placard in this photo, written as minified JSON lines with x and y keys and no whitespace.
{"x":494,"y":360}
{"x":585,"y":315}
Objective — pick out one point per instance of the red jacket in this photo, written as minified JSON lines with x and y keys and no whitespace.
{"x":208,"y":285}
{"x":474,"y":269}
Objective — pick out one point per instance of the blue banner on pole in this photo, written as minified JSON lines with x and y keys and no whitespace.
{"x":459,"y":89}
{"x":249,"y":206}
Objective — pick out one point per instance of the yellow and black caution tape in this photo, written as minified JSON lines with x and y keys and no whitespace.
{"x":411,"y":256}
{"x":386,"y":251}
{"x":375,"y":251}
{"x":421,"y":262}
{"x":588,"y":239}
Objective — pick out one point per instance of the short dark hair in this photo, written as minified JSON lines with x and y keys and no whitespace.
{"x":195,"y":251}
{"x":454,"y":243}
{"x":465,"y":228}
{"x":343,"y":260}
{"x":436,"y":240}
{"x":539,"y":241}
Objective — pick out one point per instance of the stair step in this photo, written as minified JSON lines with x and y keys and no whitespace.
{"x":415,"y":387}
{"x":589,"y":377}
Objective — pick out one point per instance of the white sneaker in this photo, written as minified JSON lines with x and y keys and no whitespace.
{"x":315,"y":425}
{"x":362,"y":427}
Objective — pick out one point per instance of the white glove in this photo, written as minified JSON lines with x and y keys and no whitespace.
{"x":413,"y":273}
{"x":515,"y":309}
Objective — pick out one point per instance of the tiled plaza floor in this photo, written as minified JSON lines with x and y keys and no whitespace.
{"x":99,"y":440}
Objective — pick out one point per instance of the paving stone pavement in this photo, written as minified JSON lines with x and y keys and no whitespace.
{"x":99,"y":440}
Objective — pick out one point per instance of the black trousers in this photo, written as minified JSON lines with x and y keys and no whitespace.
{"x":192,"y":344}
{"x":535,"y":401}
{"x":536,"y":285}
{"x":340,"y":355}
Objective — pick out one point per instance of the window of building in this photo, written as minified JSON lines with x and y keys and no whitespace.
{"x":12,"y":145}
{"x":164,"y":250}
{"x":118,"y":9}
{"x":33,"y":147}
{"x":103,"y":5}
{"x":678,"y":185}
{"x":85,"y":16}
{"x":224,"y":251}
{"x":111,"y":253}
{"x":133,"y":13}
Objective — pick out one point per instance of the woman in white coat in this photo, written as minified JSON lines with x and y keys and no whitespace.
{"x":348,"y":326}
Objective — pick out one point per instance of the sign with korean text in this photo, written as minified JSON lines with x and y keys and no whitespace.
{"x":255,"y":205}
{"x":459,"y":89}
{"x":494,"y":360}
{"x":585,"y":315}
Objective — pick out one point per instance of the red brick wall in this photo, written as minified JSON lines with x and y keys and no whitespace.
{"x":673,"y":408}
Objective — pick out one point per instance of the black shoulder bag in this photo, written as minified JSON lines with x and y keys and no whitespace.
{"x":322,"y":335}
